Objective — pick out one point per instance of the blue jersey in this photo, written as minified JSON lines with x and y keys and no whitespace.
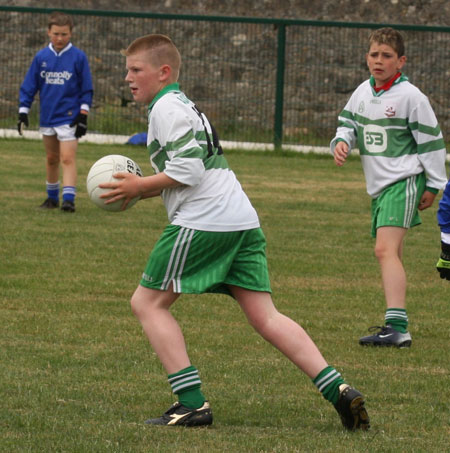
{"x":64,"y":83}
{"x":443,"y":213}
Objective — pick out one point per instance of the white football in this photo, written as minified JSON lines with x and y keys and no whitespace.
{"x":102,"y":171}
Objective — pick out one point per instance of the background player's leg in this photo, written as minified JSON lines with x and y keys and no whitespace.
{"x":51,"y":145}
{"x":69,"y":167}
{"x":68,"y":162}
{"x":388,"y":250}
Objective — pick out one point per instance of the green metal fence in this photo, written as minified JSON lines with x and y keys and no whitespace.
{"x":259,"y":80}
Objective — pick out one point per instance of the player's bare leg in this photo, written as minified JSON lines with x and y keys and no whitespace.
{"x":290,"y":338}
{"x":151,"y":307}
{"x":164,"y":334}
{"x":279,"y":330}
{"x":68,"y":151}
{"x":388,"y":250}
{"x":51,"y":144}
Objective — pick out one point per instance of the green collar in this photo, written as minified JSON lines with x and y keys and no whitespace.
{"x":167,"y":89}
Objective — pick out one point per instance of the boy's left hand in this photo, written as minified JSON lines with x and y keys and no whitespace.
{"x":23,"y":120}
{"x":81,"y":122}
{"x":427,"y":200}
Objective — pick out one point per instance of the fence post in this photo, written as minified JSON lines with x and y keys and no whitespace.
{"x":279,"y":93}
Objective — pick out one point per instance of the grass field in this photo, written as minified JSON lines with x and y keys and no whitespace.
{"x":77,"y":374}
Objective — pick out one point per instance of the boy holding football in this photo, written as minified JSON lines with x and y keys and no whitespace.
{"x":61,"y":74}
{"x":213,"y":244}
{"x":403,"y":158}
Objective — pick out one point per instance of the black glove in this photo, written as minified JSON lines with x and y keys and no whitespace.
{"x":23,"y":120}
{"x":81,"y":122}
{"x":443,"y":265}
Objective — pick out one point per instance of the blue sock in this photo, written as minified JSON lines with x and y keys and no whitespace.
{"x":69,"y":193}
{"x":53,"y":190}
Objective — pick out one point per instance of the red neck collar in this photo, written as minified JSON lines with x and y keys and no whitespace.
{"x":388,"y":84}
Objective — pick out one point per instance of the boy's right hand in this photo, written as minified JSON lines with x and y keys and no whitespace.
{"x":340,"y":153}
{"x":23,"y":120}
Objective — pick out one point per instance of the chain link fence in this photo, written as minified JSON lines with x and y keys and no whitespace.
{"x":259,"y":80}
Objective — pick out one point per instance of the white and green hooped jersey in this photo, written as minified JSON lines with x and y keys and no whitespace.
{"x":211,"y":198}
{"x":397,"y":134}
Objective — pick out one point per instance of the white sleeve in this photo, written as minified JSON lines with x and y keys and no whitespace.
{"x":175,"y":133}
{"x":430,"y":143}
{"x":347,"y":127}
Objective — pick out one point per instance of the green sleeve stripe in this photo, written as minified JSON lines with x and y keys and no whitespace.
{"x":181,"y":142}
{"x":160,"y":160}
{"x":347,"y":114}
{"x":154,"y":146}
{"x":416,"y":126}
{"x":433,"y":145}
{"x":199,"y":150}
{"x":216,"y":161}
{"x":347,"y":124}
{"x":177,"y":144}
{"x":196,"y":152}
{"x":162,"y":157}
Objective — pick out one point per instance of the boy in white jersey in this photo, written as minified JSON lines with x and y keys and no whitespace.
{"x":403,"y":157}
{"x":213,"y":244}
{"x":60,"y":73}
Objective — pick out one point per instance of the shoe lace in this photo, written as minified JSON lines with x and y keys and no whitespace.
{"x":382,"y":329}
{"x":172,"y":408}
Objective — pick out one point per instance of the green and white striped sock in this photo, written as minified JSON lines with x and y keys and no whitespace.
{"x":397,"y":319}
{"x":186,"y":384}
{"x":328,"y":382}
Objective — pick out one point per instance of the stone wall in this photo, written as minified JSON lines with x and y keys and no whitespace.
{"x":424,"y":12}
{"x":230,"y":69}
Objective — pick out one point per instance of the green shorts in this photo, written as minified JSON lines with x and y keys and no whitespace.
{"x":197,"y":262}
{"x":397,"y":204}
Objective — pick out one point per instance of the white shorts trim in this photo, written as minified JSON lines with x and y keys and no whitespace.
{"x":445,"y":237}
{"x":177,"y":260}
{"x":63,"y":133}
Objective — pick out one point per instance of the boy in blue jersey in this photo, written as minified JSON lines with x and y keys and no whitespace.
{"x":214,"y":243}
{"x":61,"y":74}
{"x":443,"y":216}
{"x":403,"y":156}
